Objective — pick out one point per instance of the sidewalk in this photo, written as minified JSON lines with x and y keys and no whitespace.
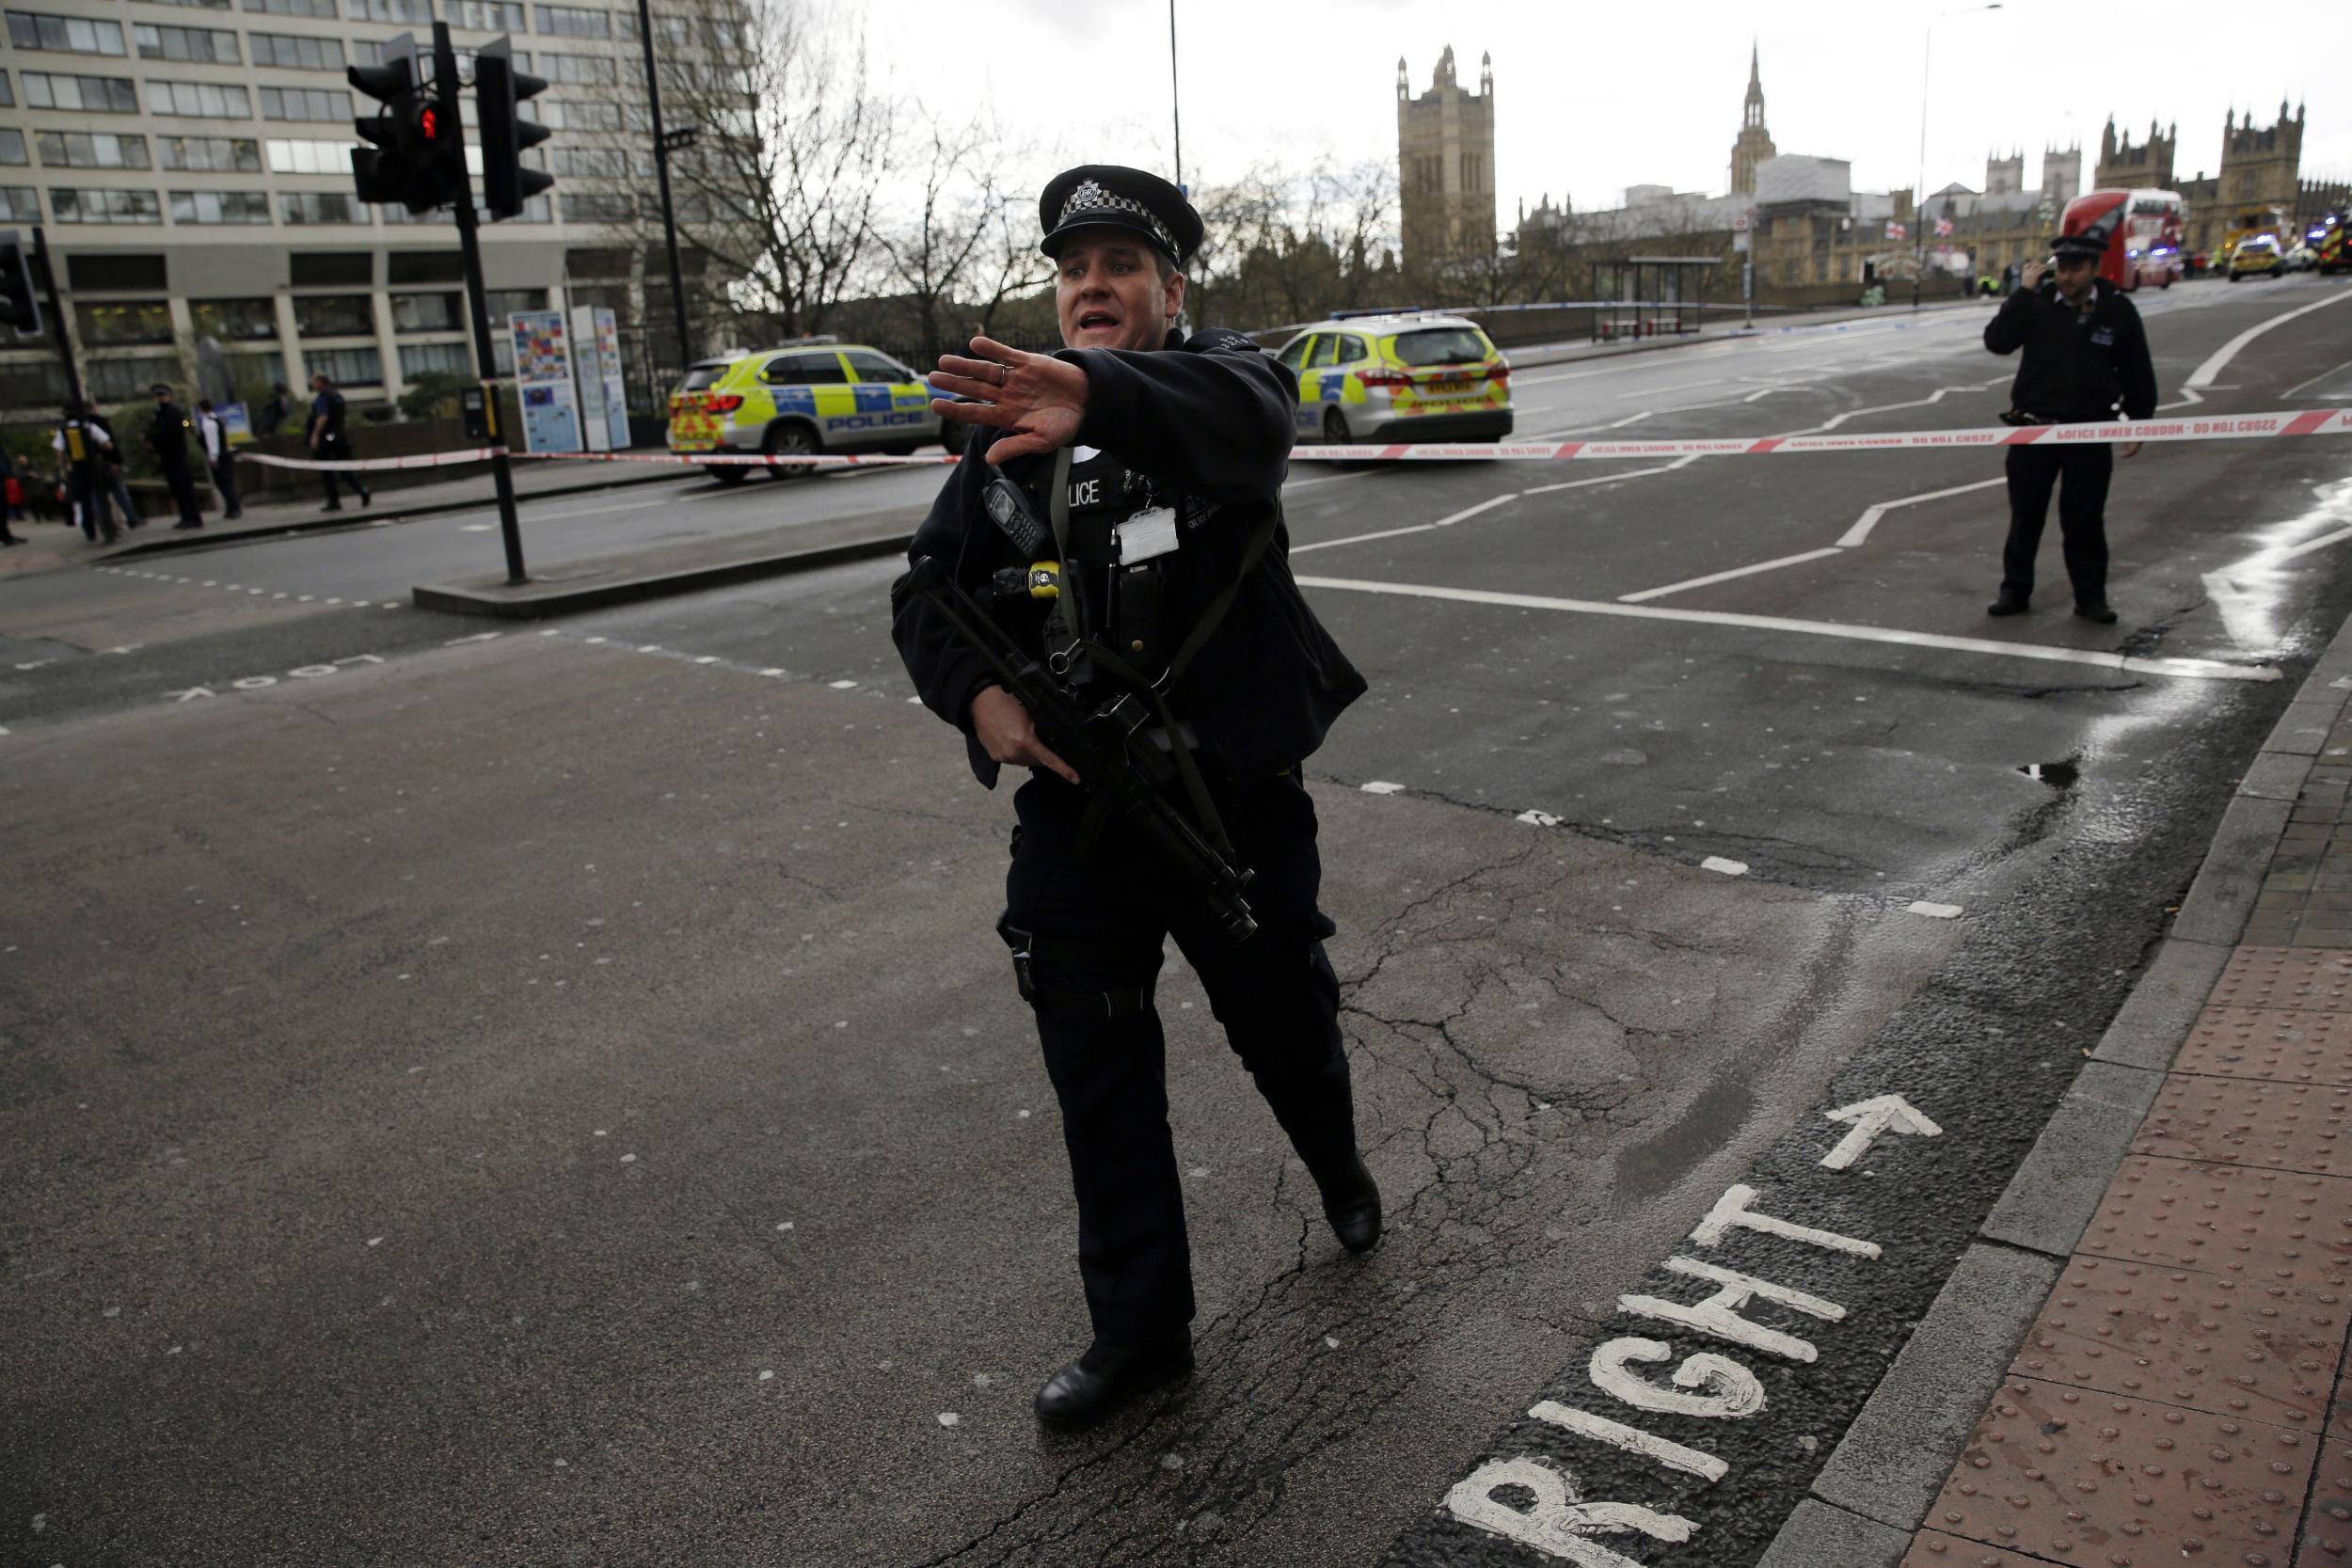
{"x":1774,"y":323}
{"x":49,"y":546}
{"x":2142,"y":1357}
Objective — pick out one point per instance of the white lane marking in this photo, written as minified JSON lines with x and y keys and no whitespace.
{"x":2189,"y":396}
{"x":1674,"y":1456}
{"x":1860,"y":532}
{"x":1729,"y":868}
{"x":1290,"y":484}
{"x":1560,"y":1523}
{"x":2315,"y":380}
{"x":841,"y":686}
{"x":1945,"y":911}
{"x":1730,"y":1391}
{"x":1718,"y":1314}
{"x":1605,"y":479}
{"x":2194,"y":668}
{"x":477,"y":528}
{"x":1381,"y":786}
{"x":1885,"y":1112}
{"x":1714,"y":578}
{"x":2203,"y":374}
{"x":477,"y":636}
{"x":1733,"y":1210}
{"x":1469,"y":512}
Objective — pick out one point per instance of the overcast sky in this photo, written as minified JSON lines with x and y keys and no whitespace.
{"x":1592,"y":96}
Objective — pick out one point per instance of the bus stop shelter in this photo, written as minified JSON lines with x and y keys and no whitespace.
{"x":1649,"y":297}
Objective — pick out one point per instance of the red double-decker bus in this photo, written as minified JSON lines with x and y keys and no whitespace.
{"x":2143,"y":231}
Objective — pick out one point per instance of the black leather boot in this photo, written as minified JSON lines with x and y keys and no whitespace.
{"x":1351,"y":1201}
{"x":1106,"y":1376}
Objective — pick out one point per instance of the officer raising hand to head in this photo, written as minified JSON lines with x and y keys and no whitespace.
{"x":1118,"y":512}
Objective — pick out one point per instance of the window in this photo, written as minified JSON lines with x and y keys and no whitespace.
{"x":597,"y":207}
{"x":7,"y":94}
{"x":1352,"y":349}
{"x":873,"y":367}
{"x":205,"y":46}
{"x":561,"y":116}
{"x":425,"y":266}
{"x":12,"y":147}
{"x":293,"y":8}
{"x":30,"y":384}
{"x":435,"y":359}
{"x":427,"y":314}
{"x":210,"y":154}
{"x":125,"y":380}
{"x":489,"y":16}
{"x":597,"y":162}
{"x":296,"y":52}
{"x":85,"y":206}
{"x":1441,"y":346}
{"x":251,"y":374}
{"x":134,"y":321}
{"x":393,"y":10}
{"x":19,"y":204}
{"x":334,"y":316}
{"x":306,"y":207}
{"x":1327,"y":352}
{"x":89,"y":95}
{"x":345,"y":367}
{"x":804,"y":369}
{"x":90,"y":150}
{"x":328,"y":269}
{"x":575,"y":22}
{"x":577,"y":68}
{"x":198,"y":5}
{"x":69,"y":35}
{"x":1295,"y":353}
{"x":304,"y":104}
{"x":308,"y":157}
{"x":113,"y":272}
{"x":199,"y":99}
{"x":235,"y":320}
{"x":219,"y":207}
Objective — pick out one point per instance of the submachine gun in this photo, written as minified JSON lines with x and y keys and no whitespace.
{"x":1117,"y":762}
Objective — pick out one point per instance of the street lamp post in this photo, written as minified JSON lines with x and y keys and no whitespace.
{"x":1175,"y":106}
{"x":661,"y":148}
{"x":1920,"y":189}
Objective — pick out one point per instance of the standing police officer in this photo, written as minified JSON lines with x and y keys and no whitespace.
{"x":2086,"y":353}
{"x":168,"y":438}
{"x":1160,"y":459}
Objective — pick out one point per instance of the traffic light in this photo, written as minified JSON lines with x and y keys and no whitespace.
{"x":419,"y":159}
{"x":19,"y":307}
{"x":499,"y":90}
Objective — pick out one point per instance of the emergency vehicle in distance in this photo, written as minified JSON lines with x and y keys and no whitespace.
{"x":2330,"y":240}
{"x":799,"y":399}
{"x":2248,"y":223}
{"x":2143,"y":235}
{"x":1399,"y":375}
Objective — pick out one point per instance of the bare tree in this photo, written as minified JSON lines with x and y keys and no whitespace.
{"x":971,"y":237}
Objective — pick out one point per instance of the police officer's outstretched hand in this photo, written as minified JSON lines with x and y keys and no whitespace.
{"x":1006,"y":733}
{"x":1039,"y":398}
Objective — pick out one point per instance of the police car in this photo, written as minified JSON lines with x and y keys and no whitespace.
{"x":2256,"y":256}
{"x":808,"y":396}
{"x":1399,"y":376}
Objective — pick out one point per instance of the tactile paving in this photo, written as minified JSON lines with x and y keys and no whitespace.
{"x":2237,"y":1220}
{"x":2327,"y":1528}
{"x":2072,"y":1476}
{"x":2288,"y":1045}
{"x":2312,"y":977}
{"x":1934,"y":1549}
{"x":2248,"y":1121}
{"x":2225,"y":1346}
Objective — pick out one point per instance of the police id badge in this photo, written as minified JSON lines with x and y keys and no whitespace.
{"x":1149,"y":533}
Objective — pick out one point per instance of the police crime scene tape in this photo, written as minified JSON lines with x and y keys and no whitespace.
{"x":2211,"y":427}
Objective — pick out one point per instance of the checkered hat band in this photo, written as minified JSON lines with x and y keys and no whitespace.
{"x":1091,"y":197}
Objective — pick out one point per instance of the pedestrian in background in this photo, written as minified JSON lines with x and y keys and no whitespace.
{"x":168,"y":438}
{"x":214,"y":437}
{"x":12,"y":500}
{"x":81,"y":444}
{"x":275,"y":408}
{"x":114,"y":468}
{"x":328,"y":441}
{"x":2084,"y":355}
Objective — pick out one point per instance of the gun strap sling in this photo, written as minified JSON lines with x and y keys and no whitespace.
{"x":1196,"y":787}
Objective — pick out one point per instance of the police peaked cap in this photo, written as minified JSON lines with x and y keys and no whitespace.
{"x":1106,"y":195}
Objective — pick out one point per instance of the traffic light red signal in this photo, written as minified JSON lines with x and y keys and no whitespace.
{"x":415,"y":161}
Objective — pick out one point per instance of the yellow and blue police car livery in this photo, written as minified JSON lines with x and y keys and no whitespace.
{"x":811,"y":395}
{"x":1399,"y":376}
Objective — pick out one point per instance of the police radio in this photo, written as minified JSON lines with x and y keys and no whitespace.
{"x":1009,"y":509}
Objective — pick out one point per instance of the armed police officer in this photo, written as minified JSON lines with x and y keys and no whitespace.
{"x":1142,"y":558}
{"x":2085,"y":356}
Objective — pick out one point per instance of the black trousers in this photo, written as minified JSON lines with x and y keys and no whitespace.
{"x":183,"y":485}
{"x":225,"y":481}
{"x":339,"y":448}
{"x":2080,"y":475}
{"x":1274,"y":994}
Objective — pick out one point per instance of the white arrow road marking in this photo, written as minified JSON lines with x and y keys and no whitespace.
{"x":1860,"y":532}
{"x":1887,"y":1113}
{"x":2203,"y":374}
{"x":477,"y":636}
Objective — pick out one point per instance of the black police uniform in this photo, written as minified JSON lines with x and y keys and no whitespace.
{"x":2080,"y":363}
{"x":168,"y":438}
{"x":1196,"y":435}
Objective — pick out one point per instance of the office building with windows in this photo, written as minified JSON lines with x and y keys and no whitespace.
{"x":189,"y":164}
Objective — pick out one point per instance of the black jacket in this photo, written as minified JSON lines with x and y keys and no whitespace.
{"x":1209,"y":415}
{"x":168,"y":435}
{"x":2078,"y":365}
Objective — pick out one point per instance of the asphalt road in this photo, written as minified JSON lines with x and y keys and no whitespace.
{"x":556,"y":1096}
